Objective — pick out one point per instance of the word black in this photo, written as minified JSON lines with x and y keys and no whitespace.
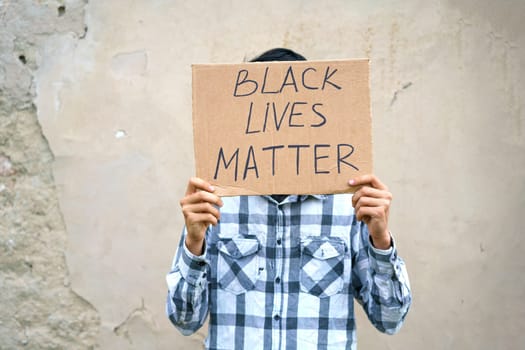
{"x":309,"y":79}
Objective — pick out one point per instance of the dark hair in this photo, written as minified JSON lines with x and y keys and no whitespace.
{"x":279,"y":54}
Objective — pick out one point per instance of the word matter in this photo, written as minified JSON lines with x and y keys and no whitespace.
{"x":250,"y":158}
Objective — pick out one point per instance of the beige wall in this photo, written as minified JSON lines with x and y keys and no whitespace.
{"x":448,"y":118}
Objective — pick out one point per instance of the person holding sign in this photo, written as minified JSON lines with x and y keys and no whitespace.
{"x":282,"y":271}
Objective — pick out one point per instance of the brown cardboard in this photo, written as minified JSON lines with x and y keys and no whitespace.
{"x":316,"y":140}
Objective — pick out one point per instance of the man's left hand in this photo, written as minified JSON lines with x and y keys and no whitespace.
{"x":372,"y":205}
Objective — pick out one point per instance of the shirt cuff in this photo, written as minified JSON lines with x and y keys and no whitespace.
{"x":193,"y":267}
{"x":383,"y":260}
{"x":383,"y":251}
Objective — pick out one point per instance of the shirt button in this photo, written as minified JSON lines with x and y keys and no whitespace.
{"x":277,"y":280}
{"x":279,"y":241}
{"x":276,"y":317}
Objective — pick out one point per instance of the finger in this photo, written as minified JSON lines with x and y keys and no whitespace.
{"x":196,"y":184}
{"x":367,"y":213}
{"x":198,"y":218}
{"x":202,"y":196}
{"x":382,"y":204}
{"x":372,"y":202}
{"x":368,"y":179}
{"x":367,"y":191}
{"x":201,"y":208}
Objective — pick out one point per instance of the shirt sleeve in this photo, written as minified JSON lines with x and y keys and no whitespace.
{"x":380,"y":282}
{"x":187,"y":302}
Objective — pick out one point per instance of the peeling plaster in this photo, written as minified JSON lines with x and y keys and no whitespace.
{"x":38,"y":310}
{"x":141,"y":312}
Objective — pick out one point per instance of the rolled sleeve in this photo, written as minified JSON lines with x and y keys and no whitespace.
{"x":388,"y":299}
{"x":382,"y":261}
{"x":193,"y":267}
{"x":187,"y":304}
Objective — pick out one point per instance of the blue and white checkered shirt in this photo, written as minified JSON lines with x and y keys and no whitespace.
{"x":284,"y":276}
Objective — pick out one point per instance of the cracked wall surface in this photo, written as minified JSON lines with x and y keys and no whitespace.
{"x":39,"y":310}
{"x":99,"y":174}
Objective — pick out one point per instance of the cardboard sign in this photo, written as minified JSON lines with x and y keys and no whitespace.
{"x":282,"y":127}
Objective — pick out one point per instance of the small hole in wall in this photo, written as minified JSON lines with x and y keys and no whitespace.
{"x":22,"y":59}
{"x":83,"y":35}
{"x":61,"y":10}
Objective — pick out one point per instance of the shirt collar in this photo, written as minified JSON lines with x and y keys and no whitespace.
{"x":297,"y":198}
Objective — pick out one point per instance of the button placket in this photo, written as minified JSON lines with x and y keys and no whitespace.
{"x":277,"y":302}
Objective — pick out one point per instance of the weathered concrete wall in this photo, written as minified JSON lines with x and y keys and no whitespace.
{"x":113,"y":97}
{"x":39,"y":310}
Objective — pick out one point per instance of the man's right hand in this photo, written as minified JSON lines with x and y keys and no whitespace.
{"x":199,"y":207}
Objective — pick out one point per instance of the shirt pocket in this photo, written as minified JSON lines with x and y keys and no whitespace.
{"x":237,"y":264}
{"x":322,"y":265}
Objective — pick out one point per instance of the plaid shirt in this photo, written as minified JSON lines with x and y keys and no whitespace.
{"x":284,"y":276}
